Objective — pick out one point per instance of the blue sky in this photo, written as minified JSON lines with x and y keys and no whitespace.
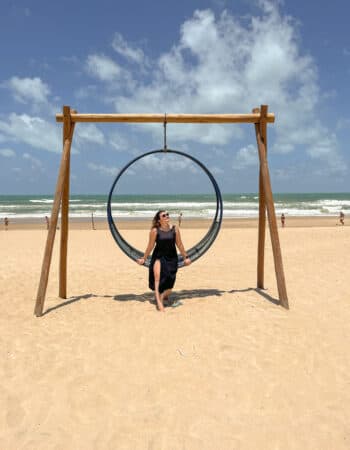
{"x":209,"y":56}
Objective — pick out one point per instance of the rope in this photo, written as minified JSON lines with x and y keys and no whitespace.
{"x":165,"y":147}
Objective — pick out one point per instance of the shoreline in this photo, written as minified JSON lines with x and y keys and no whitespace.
{"x":190,"y":223}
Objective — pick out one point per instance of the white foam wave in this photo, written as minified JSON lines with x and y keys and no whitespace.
{"x":244,"y":206}
{"x":50,"y":201}
{"x":335,"y":203}
{"x":44,"y":200}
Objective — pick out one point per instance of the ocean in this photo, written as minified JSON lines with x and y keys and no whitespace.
{"x":191,"y":206}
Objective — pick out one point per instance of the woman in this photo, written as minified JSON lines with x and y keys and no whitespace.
{"x":163,"y":267}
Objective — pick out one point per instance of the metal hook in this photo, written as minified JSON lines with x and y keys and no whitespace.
{"x":165,"y":146}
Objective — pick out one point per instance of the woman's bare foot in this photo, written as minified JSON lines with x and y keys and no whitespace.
{"x":159,"y":300}
{"x":160,"y":308}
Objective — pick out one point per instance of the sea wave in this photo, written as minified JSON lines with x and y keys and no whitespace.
{"x":191,"y":206}
{"x":44,"y":200}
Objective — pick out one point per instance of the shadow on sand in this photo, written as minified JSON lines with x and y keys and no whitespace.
{"x":259,"y":291}
{"x":176,"y":296}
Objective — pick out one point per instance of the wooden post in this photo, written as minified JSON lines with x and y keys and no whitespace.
{"x":39,"y":305}
{"x":262,"y":204}
{"x":68,"y":129}
{"x":276,"y":249}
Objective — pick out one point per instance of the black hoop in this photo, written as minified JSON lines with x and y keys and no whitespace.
{"x":195,"y":252}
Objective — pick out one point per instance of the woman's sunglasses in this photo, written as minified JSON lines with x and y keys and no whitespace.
{"x":164,"y":215}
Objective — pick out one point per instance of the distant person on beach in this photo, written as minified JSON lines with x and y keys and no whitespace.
{"x":341,"y":217}
{"x":163,"y":240}
{"x":47,"y":222}
{"x":179,"y":219}
{"x":6,"y":222}
{"x":283,"y":220}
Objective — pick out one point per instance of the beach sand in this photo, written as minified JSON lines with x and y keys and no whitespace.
{"x":228,"y":369}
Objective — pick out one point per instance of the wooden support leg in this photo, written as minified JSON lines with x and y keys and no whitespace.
{"x":261,"y":235}
{"x":62,"y":290}
{"x":39,"y":305}
{"x":68,"y":129}
{"x":262,"y":203}
{"x":277,"y":255}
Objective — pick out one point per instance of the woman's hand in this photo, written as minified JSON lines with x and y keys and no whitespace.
{"x":141,"y":261}
{"x":187,"y":261}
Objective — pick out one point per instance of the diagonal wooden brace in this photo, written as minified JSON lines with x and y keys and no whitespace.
{"x":276,"y":248}
{"x":39,"y":305}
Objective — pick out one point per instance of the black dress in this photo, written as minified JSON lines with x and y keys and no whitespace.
{"x":165,"y":251}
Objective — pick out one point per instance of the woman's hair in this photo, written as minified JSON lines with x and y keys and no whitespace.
{"x":156,"y":219}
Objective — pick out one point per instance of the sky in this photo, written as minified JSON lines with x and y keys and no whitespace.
{"x":208,"y":56}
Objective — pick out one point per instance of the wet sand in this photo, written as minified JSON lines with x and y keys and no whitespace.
{"x":101,"y":224}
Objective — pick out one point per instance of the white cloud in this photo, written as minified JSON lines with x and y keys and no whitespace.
{"x":103,"y":68}
{"x":225,"y":64}
{"x":41,"y":134}
{"x":343,"y":123}
{"x":246,"y":157}
{"x":123,"y":48}
{"x":207,"y":134}
{"x":283,"y":173}
{"x":26,"y":90}
{"x":7,"y":152}
{"x":221,"y":65}
{"x":324,"y":150}
{"x":118,"y":142}
{"x":216,"y":170}
{"x":86,"y":91}
{"x":90,"y":133}
{"x":33,"y":131}
{"x":35,"y":163}
{"x":169,"y":163}
{"x":104,"y":170}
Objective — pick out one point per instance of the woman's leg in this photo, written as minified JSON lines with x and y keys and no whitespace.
{"x":159,"y":297}
{"x":166,"y":295}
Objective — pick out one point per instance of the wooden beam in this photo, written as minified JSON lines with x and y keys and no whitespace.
{"x":40,"y":299}
{"x":170,"y":118}
{"x":276,"y":248}
{"x":68,"y":130}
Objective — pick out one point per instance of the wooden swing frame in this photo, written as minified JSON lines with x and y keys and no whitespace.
{"x":259,"y":117}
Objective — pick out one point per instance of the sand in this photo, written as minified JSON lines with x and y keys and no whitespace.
{"x":228,"y":369}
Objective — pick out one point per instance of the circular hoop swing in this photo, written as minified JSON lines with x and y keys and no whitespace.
{"x":196,"y":251}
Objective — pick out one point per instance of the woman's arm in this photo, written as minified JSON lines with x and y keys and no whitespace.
{"x":181,"y":247}
{"x":151,"y":242}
